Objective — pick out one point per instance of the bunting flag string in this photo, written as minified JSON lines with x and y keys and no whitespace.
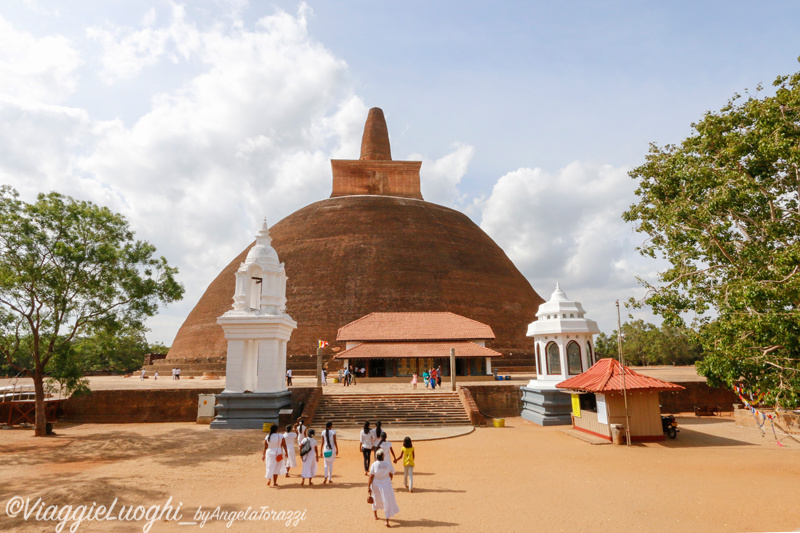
{"x":751,"y":405}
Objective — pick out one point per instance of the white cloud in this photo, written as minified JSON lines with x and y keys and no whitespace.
{"x":441,"y":177}
{"x":250,"y":135}
{"x":567,"y":227}
{"x":36,"y":69}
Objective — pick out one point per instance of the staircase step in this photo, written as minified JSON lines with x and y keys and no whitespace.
{"x":397,"y":409}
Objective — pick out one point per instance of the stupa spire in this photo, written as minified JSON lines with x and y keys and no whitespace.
{"x":375,"y":141}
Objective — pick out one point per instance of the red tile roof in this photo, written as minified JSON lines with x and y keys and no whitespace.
{"x":605,"y":376}
{"x":414,"y":327}
{"x":398,"y":350}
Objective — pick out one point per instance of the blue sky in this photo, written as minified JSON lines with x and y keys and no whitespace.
{"x":196,"y":120}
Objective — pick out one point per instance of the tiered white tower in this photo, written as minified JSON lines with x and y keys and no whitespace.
{"x":257,"y":330}
{"x":564,"y":348}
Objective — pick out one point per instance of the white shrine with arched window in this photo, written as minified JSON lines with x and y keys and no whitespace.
{"x":563,"y":340}
{"x":257,"y":330}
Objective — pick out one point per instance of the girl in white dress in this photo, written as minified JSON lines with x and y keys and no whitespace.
{"x":380,"y":486}
{"x":330,"y":449}
{"x":386,"y":446}
{"x":290,"y":461}
{"x":274,"y":446}
{"x":310,"y":460}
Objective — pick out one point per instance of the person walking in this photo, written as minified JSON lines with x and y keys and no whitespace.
{"x":330,"y":450}
{"x":414,"y":381}
{"x":407,"y":453}
{"x":301,"y":428}
{"x":290,"y":439}
{"x":376,"y":435}
{"x":141,"y":377}
{"x":386,"y":446}
{"x":380,"y":487}
{"x":439,"y":375}
{"x":425,"y":377}
{"x":155,"y":376}
{"x":352,"y":375}
{"x":274,"y":452}
{"x":310,"y":459}
{"x":433,"y":378}
{"x":178,"y":372}
{"x":366,"y":446}
{"x":288,"y":377}
{"x":346,"y":380}
{"x":324,"y":377}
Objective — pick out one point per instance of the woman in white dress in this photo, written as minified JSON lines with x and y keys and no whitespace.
{"x":310,"y":459}
{"x":290,"y":461}
{"x":330,"y":450}
{"x":274,"y":446}
{"x":380,"y":486}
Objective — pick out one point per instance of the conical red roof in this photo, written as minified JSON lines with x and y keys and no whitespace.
{"x":606,"y":376}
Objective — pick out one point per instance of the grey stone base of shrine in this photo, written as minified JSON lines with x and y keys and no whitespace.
{"x":249,"y":410}
{"x":546,"y":407}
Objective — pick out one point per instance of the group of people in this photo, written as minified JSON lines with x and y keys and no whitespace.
{"x":281,"y":450}
{"x":432,"y":377}
{"x":348,"y":375}
{"x":176,"y":373}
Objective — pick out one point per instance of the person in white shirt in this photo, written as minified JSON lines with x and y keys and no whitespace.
{"x":366,"y":446}
{"x":380,"y":487}
{"x":289,"y":377}
{"x":290,"y":438}
{"x":330,"y":449}
{"x":274,"y":446}
{"x":310,"y":459}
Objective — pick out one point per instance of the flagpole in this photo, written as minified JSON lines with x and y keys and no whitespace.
{"x":624,"y":390}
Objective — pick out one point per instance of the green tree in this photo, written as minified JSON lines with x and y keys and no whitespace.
{"x":70,"y":268}
{"x":723,"y":209}
{"x":119,"y":351}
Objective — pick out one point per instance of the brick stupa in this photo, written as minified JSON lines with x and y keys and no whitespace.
{"x":376,"y":246}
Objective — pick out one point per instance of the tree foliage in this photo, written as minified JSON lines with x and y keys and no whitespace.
{"x":70,"y":268}
{"x":646,"y":344}
{"x":723,"y":208}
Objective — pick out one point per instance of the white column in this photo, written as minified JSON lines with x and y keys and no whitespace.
{"x":234,"y":370}
{"x":488,"y":366}
{"x":270,"y":378}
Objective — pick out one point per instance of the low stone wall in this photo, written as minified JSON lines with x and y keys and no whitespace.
{"x":696,"y":393}
{"x":468,"y":402}
{"x":787,"y":422}
{"x":506,"y":400}
{"x":497,"y":401}
{"x":144,"y":406}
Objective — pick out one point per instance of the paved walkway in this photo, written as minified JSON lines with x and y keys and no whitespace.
{"x":667,"y":373}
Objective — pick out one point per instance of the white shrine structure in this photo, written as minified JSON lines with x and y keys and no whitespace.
{"x":564,"y":348}
{"x":257,"y":330}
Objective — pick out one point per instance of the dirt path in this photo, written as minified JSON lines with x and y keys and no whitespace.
{"x":714,"y":477}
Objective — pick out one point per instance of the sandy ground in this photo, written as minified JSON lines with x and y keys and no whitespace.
{"x":713,"y":477}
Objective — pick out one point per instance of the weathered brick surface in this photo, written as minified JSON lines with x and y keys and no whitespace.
{"x":696,"y":393}
{"x":389,"y":178}
{"x":497,"y":400}
{"x":350,"y":256}
{"x":468,"y":402}
{"x":144,"y":406}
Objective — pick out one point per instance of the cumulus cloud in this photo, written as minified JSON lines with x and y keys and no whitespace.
{"x":250,"y":135}
{"x":36,"y":69}
{"x":441,"y":177}
{"x":567,"y":227}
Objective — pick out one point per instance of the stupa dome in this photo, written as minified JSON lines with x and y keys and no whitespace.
{"x":376,"y":246}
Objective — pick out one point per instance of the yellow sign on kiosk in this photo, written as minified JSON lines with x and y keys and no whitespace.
{"x":576,"y":405}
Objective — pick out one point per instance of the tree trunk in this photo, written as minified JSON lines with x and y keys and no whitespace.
{"x":40,"y":427}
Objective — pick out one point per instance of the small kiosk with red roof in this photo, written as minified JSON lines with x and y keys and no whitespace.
{"x":598,"y":402}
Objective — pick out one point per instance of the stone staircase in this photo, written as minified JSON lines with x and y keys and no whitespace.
{"x":425,"y":408}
